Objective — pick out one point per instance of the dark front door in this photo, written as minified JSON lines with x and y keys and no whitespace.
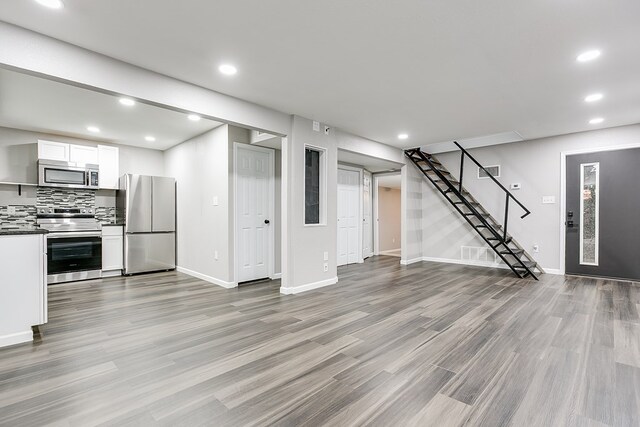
{"x":603,"y":207}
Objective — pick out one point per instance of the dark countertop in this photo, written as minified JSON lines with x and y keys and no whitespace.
{"x":21,"y":231}
{"x":113,"y":224}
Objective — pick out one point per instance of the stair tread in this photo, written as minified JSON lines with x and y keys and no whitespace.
{"x":528,"y":264}
{"x":515,"y":251}
{"x":485,"y":215}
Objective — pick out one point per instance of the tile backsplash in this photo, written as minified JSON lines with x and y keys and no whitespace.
{"x":49,"y":197}
{"x":106,"y":215}
{"x":20,"y":216}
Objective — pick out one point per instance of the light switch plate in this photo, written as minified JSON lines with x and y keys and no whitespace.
{"x":215,"y":201}
{"x":548,"y":200}
{"x":316,"y":126}
{"x":326,"y":256}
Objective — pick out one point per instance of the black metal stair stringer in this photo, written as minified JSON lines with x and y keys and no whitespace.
{"x":498,"y":239}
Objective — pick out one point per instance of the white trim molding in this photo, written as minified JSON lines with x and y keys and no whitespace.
{"x":276,"y":276}
{"x":410,"y":261}
{"x":16,"y":338}
{"x":224,"y":284}
{"x":308,"y":286}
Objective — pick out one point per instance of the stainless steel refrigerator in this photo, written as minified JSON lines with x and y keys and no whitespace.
{"x":147,"y":205}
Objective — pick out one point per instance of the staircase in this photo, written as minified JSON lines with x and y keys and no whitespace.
{"x":491,"y":231}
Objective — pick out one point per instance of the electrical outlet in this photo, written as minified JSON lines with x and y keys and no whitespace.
{"x":11,"y":210}
{"x":548,"y":200}
{"x":327,"y":129}
{"x":326,"y":256}
{"x":536,"y":248}
{"x":326,"y":267}
{"x":215,"y":255}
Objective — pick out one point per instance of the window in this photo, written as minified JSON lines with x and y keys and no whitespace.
{"x":494,"y":171}
{"x":589,"y":212}
{"x":314,"y":188}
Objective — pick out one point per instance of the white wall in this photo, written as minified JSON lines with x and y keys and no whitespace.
{"x":201,"y":169}
{"x":413,"y":188}
{"x":535,"y":165}
{"x":307,"y":244}
{"x":389,"y":221}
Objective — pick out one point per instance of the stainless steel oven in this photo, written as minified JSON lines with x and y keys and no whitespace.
{"x":53,"y":173}
{"x":74,"y":256}
{"x":74,"y":244}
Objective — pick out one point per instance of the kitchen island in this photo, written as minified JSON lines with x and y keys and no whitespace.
{"x":23,"y":283}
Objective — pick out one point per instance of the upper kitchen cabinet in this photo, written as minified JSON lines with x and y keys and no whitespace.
{"x":83,"y":154}
{"x":105,"y":156}
{"x":108,"y":159}
{"x":50,"y":150}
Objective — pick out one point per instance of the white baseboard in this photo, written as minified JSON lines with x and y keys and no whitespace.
{"x":206,"y":278}
{"x":17,"y":338}
{"x":466,"y":262}
{"x":410,"y":261}
{"x":308,"y":286}
{"x":482,"y":264}
{"x":276,"y":276}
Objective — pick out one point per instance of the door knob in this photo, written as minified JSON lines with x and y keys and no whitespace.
{"x":266,"y":221}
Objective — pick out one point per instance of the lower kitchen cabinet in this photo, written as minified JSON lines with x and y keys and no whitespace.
{"x":112,"y":250}
{"x":23,"y":287}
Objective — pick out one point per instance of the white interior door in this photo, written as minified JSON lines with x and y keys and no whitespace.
{"x":348,"y":216}
{"x":254,"y":207}
{"x":367,"y":206}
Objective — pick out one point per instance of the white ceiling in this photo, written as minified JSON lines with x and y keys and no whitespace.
{"x":372,"y":164}
{"x":389,"y":181}
{"x":40,"y":105}
{"x":438,"y":70}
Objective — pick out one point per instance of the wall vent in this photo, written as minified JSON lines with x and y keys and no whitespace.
{"x":494,"y":171}
{"x":478,"y":254}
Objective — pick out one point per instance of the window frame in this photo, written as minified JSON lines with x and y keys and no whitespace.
{"x":323,"y":186}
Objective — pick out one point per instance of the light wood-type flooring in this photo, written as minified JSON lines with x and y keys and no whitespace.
{"x":427,"y":344}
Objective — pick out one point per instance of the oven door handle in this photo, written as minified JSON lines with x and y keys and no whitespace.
{"x":70,"y":235}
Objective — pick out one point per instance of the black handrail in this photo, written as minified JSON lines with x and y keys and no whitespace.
{"x":509,"y":195}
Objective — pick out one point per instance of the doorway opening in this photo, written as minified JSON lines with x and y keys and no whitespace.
{"x":388,"y":190}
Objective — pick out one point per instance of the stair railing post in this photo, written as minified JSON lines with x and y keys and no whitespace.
{"x":506,"y":217}
{"x":461,"y":171}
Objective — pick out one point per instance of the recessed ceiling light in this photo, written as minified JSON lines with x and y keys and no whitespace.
{"x":589,"y":55}
{"x":150,"y":138}
{"x":403,"y":136}
{"x":194,"y":117}
{"x":596,"y":121}
{"x":228,"y":69}
{"x":127,"y":101}
{"x":593,"y":97}
{"x":53,"y":4}
{"x":93,"y":129}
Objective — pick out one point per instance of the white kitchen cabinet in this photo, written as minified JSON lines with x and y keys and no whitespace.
{"x":23,"y":288}
{"x":83,"y":154}
{"x":112,"y":250}
{"x":109,"y":161}
{"x":50,"y":150}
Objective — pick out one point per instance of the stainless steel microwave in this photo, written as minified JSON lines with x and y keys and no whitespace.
{"x":52,"y":173}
